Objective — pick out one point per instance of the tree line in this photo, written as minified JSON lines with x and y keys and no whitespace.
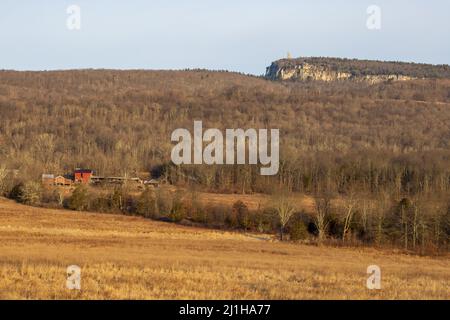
{"x":417,"y":224}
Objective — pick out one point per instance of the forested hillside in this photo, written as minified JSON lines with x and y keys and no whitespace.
{"x":391,"y":134}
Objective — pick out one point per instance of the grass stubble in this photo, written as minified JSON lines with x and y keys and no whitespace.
{"x":124,"y":257}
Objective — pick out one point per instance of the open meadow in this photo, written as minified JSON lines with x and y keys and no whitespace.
{"x":123,"y":257}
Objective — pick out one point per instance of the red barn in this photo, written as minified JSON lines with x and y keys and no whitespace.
{"x":83,"y":175}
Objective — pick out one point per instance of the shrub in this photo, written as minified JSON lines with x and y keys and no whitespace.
{"x":298,"y":230}
{"x":100,"y":204}
{"x":241,"y":214}
{"x":265,"y":220}
{"x":217,"y":215}
{"x":146,"y":204}
{"x":199,"y":214}
{"x":27,"y":193}
{"x":178,"y":211}
{"x":16,"y":192}
{"x":79,"y":200}
{"x":117,"y":200}
{"x":163,"y":202}
{"x":31,"y":193}
{"x":52,"y":197}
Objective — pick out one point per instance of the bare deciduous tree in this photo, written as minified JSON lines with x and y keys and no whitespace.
{"x":285,"y":209}
{"x":349,"y":211}
{"x":60,"y":196}
{"x":321,"y":219}
{"x":45,"y":149}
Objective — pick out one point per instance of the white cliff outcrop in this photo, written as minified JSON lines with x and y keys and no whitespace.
{"x":305,"y":71}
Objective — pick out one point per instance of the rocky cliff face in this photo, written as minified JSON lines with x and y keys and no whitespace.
{"x":305,"y":71}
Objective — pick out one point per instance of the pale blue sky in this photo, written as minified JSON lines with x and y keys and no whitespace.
{"x":237,"y":35}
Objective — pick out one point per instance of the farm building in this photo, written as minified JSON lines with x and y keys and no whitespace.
{"x":114,"y":180}
{"x":86,"y":176}
{"x":83,"y":175}
{"x":48,"y":179}
{"x":154,"y":183}
{"x":62,"y":181}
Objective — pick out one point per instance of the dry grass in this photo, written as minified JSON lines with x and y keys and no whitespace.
{"x":254,"y":201}
{"x":132,"y":258}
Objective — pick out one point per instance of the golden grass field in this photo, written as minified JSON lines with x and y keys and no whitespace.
{"x":131,"y":258}
{"x":254,"y":201}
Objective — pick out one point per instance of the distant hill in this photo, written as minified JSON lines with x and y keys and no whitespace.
{"x":332,"y":69}
{"x":121,"y":121}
